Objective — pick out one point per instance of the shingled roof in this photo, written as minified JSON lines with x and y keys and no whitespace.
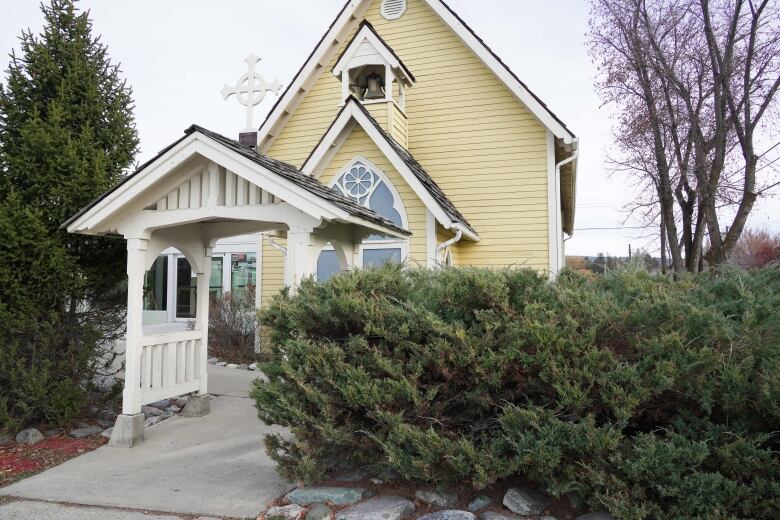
{"x":408,"y":159}
{"x":419,"y":172}
{"x":287,"y":171}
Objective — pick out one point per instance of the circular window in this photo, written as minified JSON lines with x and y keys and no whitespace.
{"x":358,"y":181}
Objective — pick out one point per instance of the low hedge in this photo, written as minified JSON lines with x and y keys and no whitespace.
{"x":644,"y":396}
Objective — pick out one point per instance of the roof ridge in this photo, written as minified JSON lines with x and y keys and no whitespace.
{"x":370,"y":26}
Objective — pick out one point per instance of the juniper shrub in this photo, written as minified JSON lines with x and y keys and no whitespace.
{"x":638,"y":394}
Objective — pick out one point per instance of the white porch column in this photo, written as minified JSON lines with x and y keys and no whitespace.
{"x":301,"y":258}
{"x":202,"y":319}
{"x":129,"y":427}
{"x":136,"y":269}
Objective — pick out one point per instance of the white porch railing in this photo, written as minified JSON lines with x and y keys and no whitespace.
{"x":170,"y":364}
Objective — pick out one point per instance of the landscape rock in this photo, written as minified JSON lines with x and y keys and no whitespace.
{"x":547,"y":518}
{"x":481,"y":502}
{"x":337,"y":496}
{"x":291,"y":512}
{"x":490,"y":515}
{"x":450,"y":514}
{"x":181,"y":401}
{"x":107,"y":432}
{"x":5,"y":437}
{"x":29,"y":436}
{"x":213,"y":360}
{"x":197,"y":406}
{"x":525,"y":501}
{"x":383,"y":507}
{"x":600,"y":515}
{"x":151,"y":421}
{"x":221,"y":363}
{"x":108,"y":415}
{"x":253,"y":366}
{"x":151,"y":411}
{"x":105,"y":423}
{"x":231,"y":365}
{"x":319,"y":512}
{"x":162,"y":404}
{"x":80,"y":433}
{"x":436,"y":498}
{"x":173,"y":409}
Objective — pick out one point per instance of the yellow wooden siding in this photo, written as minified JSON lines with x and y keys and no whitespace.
{"x":398,"y":126}
{"x":379,"y":111}
{"x":360,"y":144}
{"x":272,"y":276}
{"x":471,"y":134}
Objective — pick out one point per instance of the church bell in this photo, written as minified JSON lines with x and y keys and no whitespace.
{"x":374,"y":87}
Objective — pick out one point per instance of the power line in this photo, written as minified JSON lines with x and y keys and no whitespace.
{"x":610,"y":228}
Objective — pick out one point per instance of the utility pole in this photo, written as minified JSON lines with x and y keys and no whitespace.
{"x":629,"y":251}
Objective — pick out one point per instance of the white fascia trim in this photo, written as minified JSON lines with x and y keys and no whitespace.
{"x":350,"y":15}
{"x":199,"y":144}
{"x":333,"y":138}
{"x":380,"y":47}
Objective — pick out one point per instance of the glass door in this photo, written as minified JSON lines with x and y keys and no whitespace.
{"x":186,"y":289}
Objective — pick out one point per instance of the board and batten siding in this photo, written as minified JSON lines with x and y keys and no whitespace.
{"x":471,"y":134}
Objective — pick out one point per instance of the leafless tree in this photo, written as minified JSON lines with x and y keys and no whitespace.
{"x":694,"y":84}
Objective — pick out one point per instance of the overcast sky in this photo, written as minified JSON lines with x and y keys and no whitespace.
{"x":178,"y":54}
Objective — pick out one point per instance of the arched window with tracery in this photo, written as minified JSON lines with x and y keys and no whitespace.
{"x":366,"y":184}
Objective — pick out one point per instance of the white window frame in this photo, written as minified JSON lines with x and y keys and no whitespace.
{"x":398,"y":205}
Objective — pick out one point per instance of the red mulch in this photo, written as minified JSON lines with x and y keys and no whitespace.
{"x":18,"y":461}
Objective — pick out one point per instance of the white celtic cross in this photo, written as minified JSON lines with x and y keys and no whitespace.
{"x":250,"y":90}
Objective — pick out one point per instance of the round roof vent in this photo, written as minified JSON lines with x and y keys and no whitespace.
{"x":393,"y":9}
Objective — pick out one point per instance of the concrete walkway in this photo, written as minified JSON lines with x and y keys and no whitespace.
{"x":214,"y":465}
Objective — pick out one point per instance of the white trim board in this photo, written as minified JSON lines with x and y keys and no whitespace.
{"x":351,"y":14}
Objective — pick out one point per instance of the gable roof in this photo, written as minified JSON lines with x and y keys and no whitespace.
{"x":353,"y":11}
{"x":415,"y":175}
{"x":286,"y":171}
{"x":367,"y":31}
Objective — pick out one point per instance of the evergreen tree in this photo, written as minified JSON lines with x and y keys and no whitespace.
{"x":67,"y":134}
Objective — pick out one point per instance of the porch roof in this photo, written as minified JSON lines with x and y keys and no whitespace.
{"x":284,"y":170}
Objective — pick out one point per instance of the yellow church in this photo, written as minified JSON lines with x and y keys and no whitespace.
{"x":481,"y":176}
{"x":375,"y":152}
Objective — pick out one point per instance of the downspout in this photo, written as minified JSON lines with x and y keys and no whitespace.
{"x":448,"y":243}
{"x":559,"y":225}
{"x":571,"y":158}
